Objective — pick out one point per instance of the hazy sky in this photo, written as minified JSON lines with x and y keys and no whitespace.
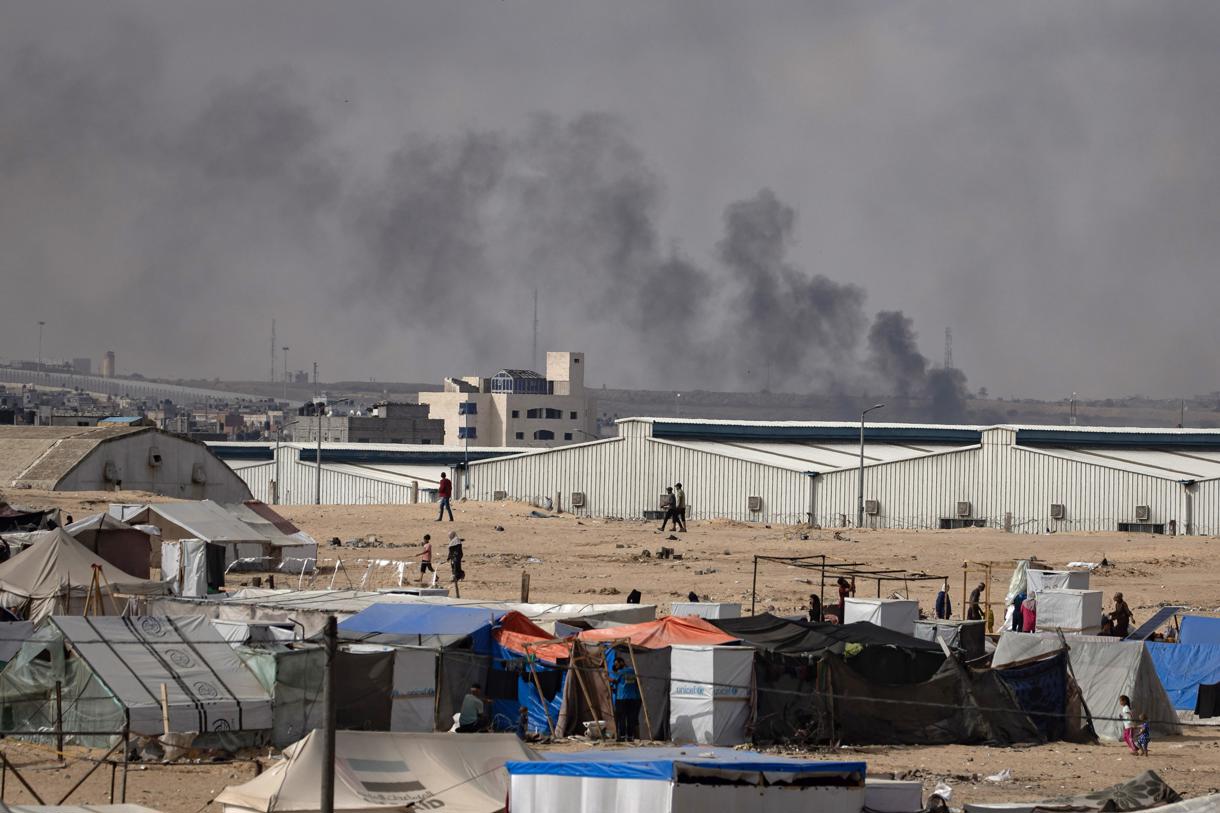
{"x":695,"y":187}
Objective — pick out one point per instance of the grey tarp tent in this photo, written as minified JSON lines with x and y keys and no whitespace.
{"x":53,"y":576}
{"x":1104,"y":668}
{"x":112,"y":671}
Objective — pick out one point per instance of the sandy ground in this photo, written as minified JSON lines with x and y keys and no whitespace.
{"x":592,"y":560}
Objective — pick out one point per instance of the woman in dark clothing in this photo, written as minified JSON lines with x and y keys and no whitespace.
{"x":846,"y":591}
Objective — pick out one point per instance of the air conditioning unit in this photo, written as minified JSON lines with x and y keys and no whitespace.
{"x":110,"y":472}
{"x":578,"y":499}
{"x":1058,"y":510}
{"x":964,"y":510}
{"x":199,"y":474}
{"x":154,"y":457}
{"x":499,"y":495}
{"x":755,"y":505}
{"x":872,"y":507}
{"x":1143,"y":513}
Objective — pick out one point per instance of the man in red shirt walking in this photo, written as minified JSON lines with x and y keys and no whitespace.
{"x":445,"y":492}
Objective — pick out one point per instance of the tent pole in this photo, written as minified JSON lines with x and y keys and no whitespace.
{"x":640,"y":687}
{"x":576,"y":667}
{"x":21,"y":779}
{"x":328,"y":741}
{"x":546,"y":712}
{"x":4,"y":775}
{"x":97,"y":764}
{"x":59,"y":721}
{"x":126,"y":755}
{"x":754,"y":587}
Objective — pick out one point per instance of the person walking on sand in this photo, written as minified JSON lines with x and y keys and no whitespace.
{"x":671,"y":509}
{"x":679,"y":507}
{"x":1143,"y":735}
{"x":944,"y":605}
{"x":425,"y":559}
{"x":1124,"y":714}
{"x":975,"y":612}
{"x":444,"y":490}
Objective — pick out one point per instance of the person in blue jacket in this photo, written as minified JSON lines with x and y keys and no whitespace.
{"x":626,"y":690}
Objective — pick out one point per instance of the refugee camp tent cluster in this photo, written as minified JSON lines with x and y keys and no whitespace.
{"x":247,"y":536}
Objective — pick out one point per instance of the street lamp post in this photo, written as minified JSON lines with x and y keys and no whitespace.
{"x":860,"y":489}
{"x":320,"y":403}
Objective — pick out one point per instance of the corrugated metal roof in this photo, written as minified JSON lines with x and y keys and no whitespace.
{"x":820,"y":457}
{"x":40,"y":456}
{"x":1173,"y":464}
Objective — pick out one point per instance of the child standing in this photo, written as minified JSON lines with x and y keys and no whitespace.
{"x":1124,"y":713}
{"x":1144,"y":735}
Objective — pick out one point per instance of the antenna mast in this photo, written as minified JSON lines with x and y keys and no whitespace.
{"x":272,"y":379}
{"x":948,"y":348}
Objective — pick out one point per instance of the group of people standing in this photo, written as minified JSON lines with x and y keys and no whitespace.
{"x":454,"y":551}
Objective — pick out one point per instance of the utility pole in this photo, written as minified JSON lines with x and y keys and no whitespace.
{"x":534,"y":352}
{"x":330,"y":717}
{"x":948,"y":348}
{"x":315,"y":378}
{"x":318,"y":405}
{"x":285,"y":373}
{"x":860,"y":491}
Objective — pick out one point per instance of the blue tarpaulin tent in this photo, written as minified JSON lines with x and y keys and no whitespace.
{"x":1182,"y":667}
{"x":1198,"y":629}
{"x":425,"y":625}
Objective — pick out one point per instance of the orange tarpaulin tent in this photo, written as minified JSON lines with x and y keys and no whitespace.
{"x":518,"y":634}
{"x":662,"y":633}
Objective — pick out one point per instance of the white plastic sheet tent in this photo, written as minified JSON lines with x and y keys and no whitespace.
{"x":54,"y":575}
{"x":709,"y":694}
{"x":112,"y":670}
{"x":380,"y":770}
{"x":1104,"y":668}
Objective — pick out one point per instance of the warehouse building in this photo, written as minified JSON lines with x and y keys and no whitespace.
{"x":352,"y":473}
{"x":1027,"y":479}
{"x":113,"y":458}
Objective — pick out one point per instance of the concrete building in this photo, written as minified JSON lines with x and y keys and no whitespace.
{"x":517,"y":407}
{"x":352,"y":473}
{"x":388,"y":423}
{"x":108,"y":364}
{"x":1027,"y":479}
{"x":114,"y":458}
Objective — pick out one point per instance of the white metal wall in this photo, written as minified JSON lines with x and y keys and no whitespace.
{"x":297,"y":483}
{"x":625,"y":476}
{"x":1205,"y":499}
{"x":999,"y":478}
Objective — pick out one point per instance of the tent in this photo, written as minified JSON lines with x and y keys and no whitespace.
{"x":438,"y":650}
{"x":1182,"y":668}
{"x":426,"y":625}
{"x":115,"y":672}
{"x":382,"y":771}
{"x":1198,"y":629}
{"x":876,"y":652}
{"x":54,"y":576}
{"x":1104,"y":668}
{"x":251,"y":539}
{"x":292,"y":550}
{"x":683,"y":780}
{"x":710,"y":692}
{"x":528,"y":669}
{"x":1145,"y":791}
{"x":127,"y":548}
{"x":663,"y":632}
{"x":292,"y":674}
